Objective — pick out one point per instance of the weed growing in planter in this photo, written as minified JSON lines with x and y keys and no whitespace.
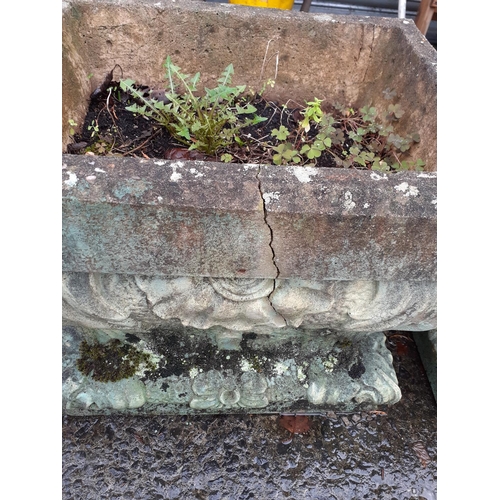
{"x":311,"y":112}
{"x":225,"y":124}
{"x":284,"y":151}
{"x":360,"y":141}
{"x":72,"y":125}
{"x":374,"y":143}
{"x":354,"y":138}
{"x":207,"y":123}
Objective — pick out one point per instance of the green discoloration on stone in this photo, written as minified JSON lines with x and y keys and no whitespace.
{"x":132,"y":188}
{"x":182,"y":370}
{"x":133,"y":220}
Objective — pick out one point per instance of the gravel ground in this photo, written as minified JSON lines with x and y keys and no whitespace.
{"x":387,"y":455}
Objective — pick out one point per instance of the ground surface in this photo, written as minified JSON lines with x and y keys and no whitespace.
{"x":386,"y":456}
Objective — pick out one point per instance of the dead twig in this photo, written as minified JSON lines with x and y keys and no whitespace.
{"x":265,"y":60}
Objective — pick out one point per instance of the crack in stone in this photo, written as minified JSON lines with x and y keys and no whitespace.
{"x":270,"y":244}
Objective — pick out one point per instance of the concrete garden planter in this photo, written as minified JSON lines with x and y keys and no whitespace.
{"x":193,"y":286}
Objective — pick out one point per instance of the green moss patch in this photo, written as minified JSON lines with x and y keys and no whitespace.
{"x":112,"y":361}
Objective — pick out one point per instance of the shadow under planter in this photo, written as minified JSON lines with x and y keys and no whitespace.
{"x":192,"y":286}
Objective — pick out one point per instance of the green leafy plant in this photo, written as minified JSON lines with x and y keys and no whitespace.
{"x":359,"y":140}
{"x":72,"y":127}
{"x":101,"y":147}
{"x":353,"y":138}
{"x":285,"y":153}
{"x":394,"y":112}
{"x":369,"y":113}
{"x":224,"y":122}
{"x":94,"y":127}
{"x":208,"y":123}
{"x":226,"y":157}
{"x":320,"y":144}
{"x":312,"y":112}
{"x":281,"y":134}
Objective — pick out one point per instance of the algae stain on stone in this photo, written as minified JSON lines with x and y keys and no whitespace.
{"x":131,"y":187}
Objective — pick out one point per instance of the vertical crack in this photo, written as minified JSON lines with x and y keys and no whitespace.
{"x":270,"y":243}
{"x":268,"y":225}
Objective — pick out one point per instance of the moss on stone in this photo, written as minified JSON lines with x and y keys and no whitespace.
{"x":112,"y":361}
{"x":257,"y":364}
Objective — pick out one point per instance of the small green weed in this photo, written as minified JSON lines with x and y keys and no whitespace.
{"x":208,"y":123}
{"x":359,"y":140}
{"x":285,"y":153}
{"x":72,"y":127}
{"x":311,"y":112}
{"x":94,"y":128}
{"x":320,"y":144}
{"x":353,"y":138}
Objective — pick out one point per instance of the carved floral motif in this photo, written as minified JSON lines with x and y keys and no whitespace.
{"x":263,"y":306}
{"x":213,"y":390}
{"x":358,"y":374}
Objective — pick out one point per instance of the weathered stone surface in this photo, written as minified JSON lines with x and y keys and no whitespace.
{"x":165,"y":218}
{"x":193,"y":376}
{"x":228,"y":306}
{"x":152,"y":217}
{"x":353,"y":60}
{"x":348,"y":224}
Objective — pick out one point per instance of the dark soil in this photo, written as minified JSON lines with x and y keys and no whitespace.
{"x":110,"y":129}
{"x":121,"y":132}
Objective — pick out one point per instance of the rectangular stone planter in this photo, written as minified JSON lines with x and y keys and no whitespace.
{"x":223,"y":287}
